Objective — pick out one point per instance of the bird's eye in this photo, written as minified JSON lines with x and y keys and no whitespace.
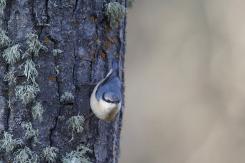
{"x":111,"y":97}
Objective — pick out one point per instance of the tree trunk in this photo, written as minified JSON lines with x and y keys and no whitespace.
{"x":78,"y":44}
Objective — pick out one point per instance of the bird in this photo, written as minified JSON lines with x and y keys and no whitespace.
{"x":106,"y":98}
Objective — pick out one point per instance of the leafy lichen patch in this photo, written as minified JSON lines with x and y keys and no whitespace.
{"x":77,"y":156}
{"x":115,"y":12}
{"x":50,"y":154}
{"x":30,"y":71}
{"x":34,"y":45}
{"x":37,"y":112}
{"x":4,"y":39}
{"x":12,"y":54}
{"x":25,"y":155}
{"x":26,"y":93}
{"x":8,"y":143}
{"x":30,"y":133}
{"x":57,"y":52}
{"x":2,"y":5}
{"x":75,"y":123}
{"x":67,"y":97}
{"x":10,"y":76}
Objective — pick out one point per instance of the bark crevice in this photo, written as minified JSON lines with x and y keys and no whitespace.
{"x":56,"y":119}
{"x":75,"y":6}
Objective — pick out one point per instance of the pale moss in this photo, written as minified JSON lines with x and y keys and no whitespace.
{"x":67,"y":97}
{"x":4,"y":39}
{"x":37,"y":112}
{"x":26,"y":93}
{"x":25,"y":155}
{"x":50,"y":154}
{"x":12,"y":54}
{"x":77,"y":156}
{"x":34,"y":45}
{"x":115,"y":12}
{"x":30,"y":133}
{"x":30,"y":70}
{"x":10,"y":76}
{"x":8,"y":143}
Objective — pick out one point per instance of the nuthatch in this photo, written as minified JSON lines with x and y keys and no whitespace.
{"x":106,"y":98}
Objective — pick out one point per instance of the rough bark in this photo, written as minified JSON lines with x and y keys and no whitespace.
{"x":80,"y":29}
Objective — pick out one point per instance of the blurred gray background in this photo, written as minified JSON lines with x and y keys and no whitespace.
{"x":185,"y":82}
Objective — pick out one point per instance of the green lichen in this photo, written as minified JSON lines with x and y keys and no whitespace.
{"x":10,"y":76}
{"x":30,"y":70}
{"x":26,"y":93}
{"x":67,"y":97}
{"x":25,"y":155}
{"x":34,"y":45}
{"x":37,"y":112}
{"x":50,"y":154}
{"x":12,"y":54}
{"x":57,"y":52}
{"x":75,"y":123}
{"x":115,"y":12}
{"x":4,"y":39}
{"x":2,"y":5}
{"x":8,"y":143}
{"x":77,"y":156}
{"x":30,"y":133}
